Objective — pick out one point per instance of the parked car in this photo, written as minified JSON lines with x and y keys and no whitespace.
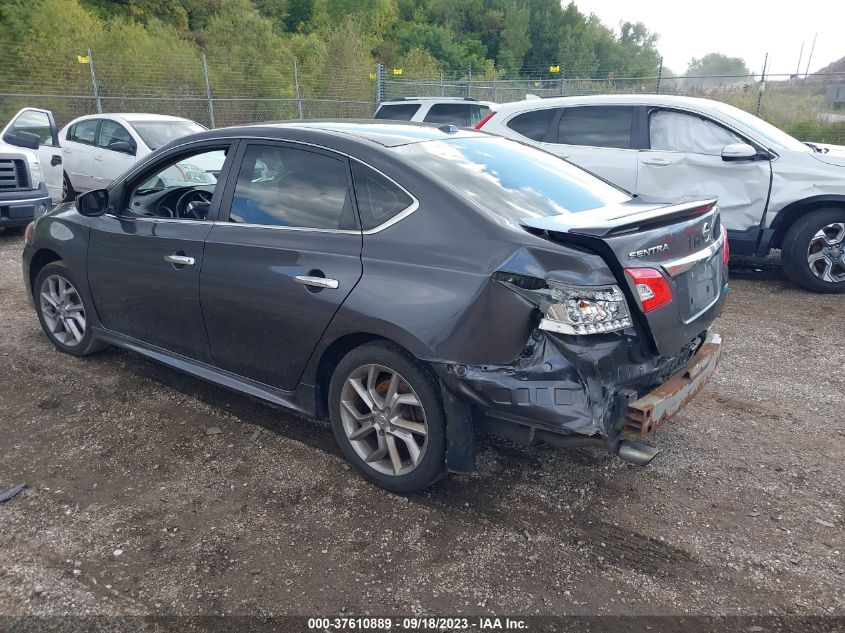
{"x":773,"y":191}
{"x":97,"y":148}
{"x":23,"y":190}
{"x":461,"y":111}
{"x":408,"y":282}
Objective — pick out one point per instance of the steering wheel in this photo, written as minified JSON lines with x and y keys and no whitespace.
{"x":193,"y":204}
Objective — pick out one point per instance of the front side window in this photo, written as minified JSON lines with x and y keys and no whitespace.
{"x":180,"y":188}
{"x":378,"y":198}
{"x":680,"y":132}
{"x":596,"y":126}
{"x":84,"y":131}
{"x":533,"y":124}
{"x":451,"y":113}
{"x":112,"y":132}
{"x":156,"y":134}
{"x":291,"y":187}
{"x":37,"y":123}
{"x":399,"y":112}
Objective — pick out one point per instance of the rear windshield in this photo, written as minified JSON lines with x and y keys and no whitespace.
{"x":511,"y":179}
{"x":158,"y":133}
{"x":401,"y":112}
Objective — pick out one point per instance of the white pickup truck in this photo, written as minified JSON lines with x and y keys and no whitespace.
{"x":30,"y":167}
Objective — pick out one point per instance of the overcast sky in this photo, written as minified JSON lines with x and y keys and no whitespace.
{"x":737,"y":28}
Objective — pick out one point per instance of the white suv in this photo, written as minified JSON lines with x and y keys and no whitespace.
{"x":774,"y":191}
{"x":463,"y":112}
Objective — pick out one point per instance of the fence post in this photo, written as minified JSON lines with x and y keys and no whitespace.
{"x":298,"y":93}
{"x":659,"y":75}
{"x":469,"y":80}
{"x":442,"y":85}
{"x":208,"y":91}
{"x":495,"y":96}
{"x":560,"y":80}
{"x":94,"y":82}
{"x":379,"y":85}
{"x":762,"y":85}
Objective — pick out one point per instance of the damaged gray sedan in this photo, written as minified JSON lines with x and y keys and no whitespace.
{"x":409,"y":283}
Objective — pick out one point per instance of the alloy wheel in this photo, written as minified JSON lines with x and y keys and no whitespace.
{"x":826,"y":253}
{"x":62,"y":309}
{"x":384,"y":419}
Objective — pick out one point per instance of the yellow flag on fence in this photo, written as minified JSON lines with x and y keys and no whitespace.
{"x":372,"y":75}
{"x":397,"y":71}
{"x":554,"y":69}
{"x":82,"y":59}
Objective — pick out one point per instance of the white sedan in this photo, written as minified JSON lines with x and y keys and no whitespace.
{"x":97,"y":148}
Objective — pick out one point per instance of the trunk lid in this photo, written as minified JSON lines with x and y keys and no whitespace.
{"x":682,"y":240}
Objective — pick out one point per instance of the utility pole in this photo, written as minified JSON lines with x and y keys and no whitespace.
{"x":810,"y":58}
{"x":800,"y":55}
{"x":208,"y":91}
{"x":762,"y":85}
{"x":94,"y":82}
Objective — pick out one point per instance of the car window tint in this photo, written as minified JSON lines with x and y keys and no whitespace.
{"x":113,"y":132}
{"x":454,"y":113}
{"x":283,"y":186}
{"x":84,"y":131}
{"x":399,"y":112}
{"x":596,"y":126}
{"x":37,"y":123}
{"x":679,"y":132}
{"x":378,"y":198}
{"x":533,"y":124}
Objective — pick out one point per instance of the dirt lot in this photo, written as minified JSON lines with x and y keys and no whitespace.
{"x":131,"y":508}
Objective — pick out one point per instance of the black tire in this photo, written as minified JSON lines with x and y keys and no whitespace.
{"x":794,"y":250}
{"x":432,"y":462}
{"x":67,"y":190}
{"x":88,"y":343}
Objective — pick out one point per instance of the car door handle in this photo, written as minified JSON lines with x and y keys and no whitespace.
{"x":316,"y":282}
{"x":660,"y":162}
{"x":180,"y":260}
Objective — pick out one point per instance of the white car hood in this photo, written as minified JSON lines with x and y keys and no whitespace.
{"x":831,"y":154}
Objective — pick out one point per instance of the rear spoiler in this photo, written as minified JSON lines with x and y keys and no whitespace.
{"x":628,"y":217}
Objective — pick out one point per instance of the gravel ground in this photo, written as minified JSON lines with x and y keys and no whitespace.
{"x":132,"y":508}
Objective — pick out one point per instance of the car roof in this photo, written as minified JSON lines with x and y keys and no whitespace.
{"x":373,"y":131}
{"x":620,"y":99}
{"x":468,"y":100}
{"x":132,"y":117}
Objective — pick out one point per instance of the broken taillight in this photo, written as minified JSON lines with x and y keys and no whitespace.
{"x":479,"y":125}
{"x":652,"y":287}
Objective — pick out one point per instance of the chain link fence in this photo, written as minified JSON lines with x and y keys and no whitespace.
{"x":218,"y":92}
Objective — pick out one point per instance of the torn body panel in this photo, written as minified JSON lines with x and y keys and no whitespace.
{"x":569,"y":385}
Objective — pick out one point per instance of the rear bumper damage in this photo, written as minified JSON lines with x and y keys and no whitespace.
{"x":606,"y":393}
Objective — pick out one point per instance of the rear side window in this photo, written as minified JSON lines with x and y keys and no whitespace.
{"x":284,"y":186}
{"x":399,"y":112}
{"x":596,"y":126}
{"x":379,"y":199}
{"x":454,"y":113}
{"x":84,"y":131}
{"x":533,"y":124}
{"x":477,"y":113}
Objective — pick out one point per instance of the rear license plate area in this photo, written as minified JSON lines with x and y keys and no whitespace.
{"x":703,"y":284}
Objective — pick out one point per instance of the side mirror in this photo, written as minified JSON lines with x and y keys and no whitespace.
{"x":123,"y":147}
{"x":93,"y":203}
{"x":738,"y":151}
{"x":19,"y":138}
